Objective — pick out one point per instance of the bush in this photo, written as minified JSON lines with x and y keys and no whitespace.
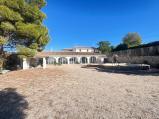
{"x":12,"y":62}
{"x":57,"y":64}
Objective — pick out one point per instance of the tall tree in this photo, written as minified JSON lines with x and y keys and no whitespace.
{"x":120,"y":47}
{"x":21,"y":25}
{"x":132,"y":40}
{"x":104,"y":47}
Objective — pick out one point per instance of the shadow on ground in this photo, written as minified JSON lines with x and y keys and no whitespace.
{"x":124,"y":70}
{"x":12,"y":104}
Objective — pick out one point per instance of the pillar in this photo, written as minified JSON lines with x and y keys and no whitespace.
{"x":88,"y":60}
{"x":44,"y":63}
{"x":25,"y":64}
{"x":68,"y":60}
{"x":57,"y":59}
{"x":79,"y":60}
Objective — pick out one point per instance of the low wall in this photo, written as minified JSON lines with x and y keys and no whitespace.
{"x":151,"y":60}
{"x":147,"y":55}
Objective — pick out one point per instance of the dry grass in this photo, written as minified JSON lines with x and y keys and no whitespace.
{"x":72,"y":92}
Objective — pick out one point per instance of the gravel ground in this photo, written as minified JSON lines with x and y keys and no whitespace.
{"x":72,"y":92}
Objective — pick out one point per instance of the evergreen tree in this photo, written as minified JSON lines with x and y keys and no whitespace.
{"x":120,"y":47}
{"x":104,"y":47}
{"x":21,"y":25}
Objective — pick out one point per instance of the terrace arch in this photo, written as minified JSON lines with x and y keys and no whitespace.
{"x":50,"y":60}
{"x":63,"y":60}
{"x":93,"y":59}
{"x":84,"y":60}
{"x":73,"y":60}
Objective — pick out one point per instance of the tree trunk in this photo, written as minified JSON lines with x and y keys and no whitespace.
{"x":1,"y":50}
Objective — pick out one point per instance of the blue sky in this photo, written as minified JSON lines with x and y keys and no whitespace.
{"x":86,"y":22}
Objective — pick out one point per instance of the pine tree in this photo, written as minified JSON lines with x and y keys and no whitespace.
{"x":21,"y":24}
{"x":104,"y":47}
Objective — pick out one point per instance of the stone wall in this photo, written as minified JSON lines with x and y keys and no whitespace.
{"x":147,"y":55}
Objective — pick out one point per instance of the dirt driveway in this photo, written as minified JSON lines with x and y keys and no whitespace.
{"x":72,"y":92}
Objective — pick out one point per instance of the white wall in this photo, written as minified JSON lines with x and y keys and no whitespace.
{"x":98,"y":58}
{"x":25,"y":64}
{"x":83,"y":50}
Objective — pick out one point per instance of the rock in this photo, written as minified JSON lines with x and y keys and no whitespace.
{"x":4,"y":71}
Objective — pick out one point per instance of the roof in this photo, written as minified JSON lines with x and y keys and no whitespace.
{"x":83,"y":47}
{"x":47,"y":54}
{"x":67,"y":49}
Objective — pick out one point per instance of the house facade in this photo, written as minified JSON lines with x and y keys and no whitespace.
{"x":82,"y":49}
{"x":76,"y":55}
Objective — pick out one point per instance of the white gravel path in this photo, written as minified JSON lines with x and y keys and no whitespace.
{"x":81,"y":93}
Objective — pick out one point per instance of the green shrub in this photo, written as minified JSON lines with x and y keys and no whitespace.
{"x":12,"y":62}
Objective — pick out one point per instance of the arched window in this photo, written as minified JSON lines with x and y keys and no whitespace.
{"x":84,"y":60}
{"x":73,"y":60}
{"x":50,"y":60}
{"x":93,"y":60}
{"x":62,"y":60}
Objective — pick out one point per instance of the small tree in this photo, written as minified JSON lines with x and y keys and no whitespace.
{"x":104,"y":47}
{"x":132,"y":40}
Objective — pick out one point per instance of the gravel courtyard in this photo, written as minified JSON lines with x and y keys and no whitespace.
{"x":72,"y":92}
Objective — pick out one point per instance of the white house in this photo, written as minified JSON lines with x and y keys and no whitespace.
{"x":82,"y":49}
{"x":75,"y":55}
